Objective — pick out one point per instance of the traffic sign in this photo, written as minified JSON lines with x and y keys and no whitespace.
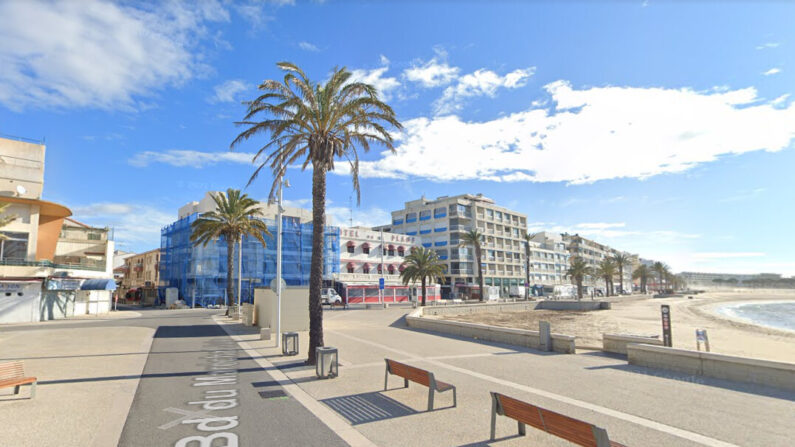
{"x":381,"y":283}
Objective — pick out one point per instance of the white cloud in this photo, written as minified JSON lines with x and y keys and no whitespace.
{"x":98,"y":54}
{"x":306,"y":46}
{"x":228,"y":91}
{"x":772,"y":71}
{"x":599,"y":225}
{"x":433,"y":73}
{"x":135,"y":226}
{"x":479,"y":83}
{"x":767,"y":45}
{"x":193,"y":159}
{"x":376,"y":77}
{"x":590,"y":134}
{"x":726,"y":254}
{"x":370,"y":217}
{"x":780,"y":100}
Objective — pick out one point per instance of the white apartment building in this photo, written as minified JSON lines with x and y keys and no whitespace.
{"x":594,"y":253}
{"x":549,"y":260}
{"x":269,"y":210}
{"x":442,"y":222}
{"x":366,"y":256}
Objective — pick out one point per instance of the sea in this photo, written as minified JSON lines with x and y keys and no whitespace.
{"x":777,"y":315}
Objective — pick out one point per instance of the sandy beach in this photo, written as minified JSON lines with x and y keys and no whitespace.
{"x":640,"y":315}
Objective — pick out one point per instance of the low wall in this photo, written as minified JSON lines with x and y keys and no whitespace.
{"x":572,"y":305}
{"x":516,"y":337}
{"x":295,"y":309}
{"x":719,"y":366}
{"x":617,"y":343}
{"x":463,"y":309}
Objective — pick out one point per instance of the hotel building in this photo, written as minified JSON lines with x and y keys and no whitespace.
{"x":593,"y":253}
{"x":441,"y":223}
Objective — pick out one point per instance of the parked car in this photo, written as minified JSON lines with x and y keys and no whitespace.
{"x":330,"y":296}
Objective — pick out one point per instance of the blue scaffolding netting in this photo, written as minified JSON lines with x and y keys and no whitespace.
{"x":200,"y":271}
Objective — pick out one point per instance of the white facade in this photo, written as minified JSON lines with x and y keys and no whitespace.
{"x":269,"y":211}
{"x":363,"y":252}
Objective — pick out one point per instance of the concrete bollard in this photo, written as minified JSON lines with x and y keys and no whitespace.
{"x":265,"y":333}
{"x":545,"y":336}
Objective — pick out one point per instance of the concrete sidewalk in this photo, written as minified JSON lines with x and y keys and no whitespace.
{"x":87,"y":380}
{"x":637,"y":406}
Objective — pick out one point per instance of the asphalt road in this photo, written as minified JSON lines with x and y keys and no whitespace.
{"x":199,"y":389}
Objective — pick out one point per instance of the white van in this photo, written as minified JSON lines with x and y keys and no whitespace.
{"x":330,"y":296}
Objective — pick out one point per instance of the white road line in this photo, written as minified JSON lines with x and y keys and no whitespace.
{"x":681,"y":433}
{"x":333,"y":421}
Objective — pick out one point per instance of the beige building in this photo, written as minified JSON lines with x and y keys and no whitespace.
{"x":593,"y":253}
{"x":141,"y":270}
{"x":51,"y":266}
{"x":549,"y":260}
{"x":269,"y":210}
{"x":441,"y":224}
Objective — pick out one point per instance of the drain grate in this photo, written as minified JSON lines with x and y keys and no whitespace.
{"x":273,"y":394}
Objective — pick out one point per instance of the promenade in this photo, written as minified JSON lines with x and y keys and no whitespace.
{"x":135,"y":381}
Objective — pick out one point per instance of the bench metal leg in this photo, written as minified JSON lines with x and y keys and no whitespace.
{"x":430,"y":399}
{"x":455,"y":402}
{"x":493,"y":416}
{"x":16,"y":389}
{"x":386,"y":378}
{"x":33,"y":390}
{"x":405,"y":383}
{"x":522,"y":431}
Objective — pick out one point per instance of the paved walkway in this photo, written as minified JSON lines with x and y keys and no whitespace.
{"x":638,"y":406}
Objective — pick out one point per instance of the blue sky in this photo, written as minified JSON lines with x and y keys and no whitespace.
{"x":661,"y":128}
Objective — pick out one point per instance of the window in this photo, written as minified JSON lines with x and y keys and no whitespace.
{"x":14,"y":246}
{"x":94,"y":237}
{"x":490,"y":213}
{"x":425,"y":214}
{"x":396,"y":221}
{"x":411,"y":217}
{"x":391,"y":251}
{"x":366,"y":249}
{"x":350,"y":248}
{"x":439,"y":212}
{"x":350,"y":268}
{"x":366,"y":268}
{"x":401,"y":252}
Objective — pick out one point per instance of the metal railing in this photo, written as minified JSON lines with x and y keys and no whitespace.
{"x":50,"y":264}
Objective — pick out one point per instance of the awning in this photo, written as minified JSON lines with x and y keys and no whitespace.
{"x":365,"y":265}
{"x":391,"y":247}
{"x":365,"y":245}
{"x":351,"y":244}
{"x":391,"y":268}
{"x":402,"y":267}
{"x":98,"y":284}
{"x":400,"y":248}
{"x":351,"y":265}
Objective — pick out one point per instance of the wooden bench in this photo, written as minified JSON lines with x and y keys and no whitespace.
{"x":12,"y":374}
{"x":562,"y":426}
{"x":417,"y":375}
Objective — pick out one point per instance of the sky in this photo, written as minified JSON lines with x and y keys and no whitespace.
{"x":660,"y":128}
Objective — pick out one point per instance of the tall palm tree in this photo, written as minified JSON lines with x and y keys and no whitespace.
{"x":528,"y":237}
{"x":474,"y":238}
{"x":312,"y":124}
{"x":5,"y":220}
{"x":422,"y":265}
{"x":235,"y":216}
{"x":642,"y":272}
{"x":621,"y":260}
{"x":661,"y":270}
{"x":578,"y":270}
{"x":607,"y":270}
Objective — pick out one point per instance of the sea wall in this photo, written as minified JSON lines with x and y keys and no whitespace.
{"x":719,"y":366}
{"x":572,"y":305}
{"x":517,"y":337}
{"x":617,"y":343}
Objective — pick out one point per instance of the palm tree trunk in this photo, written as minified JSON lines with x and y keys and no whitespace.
{"x":316,"y":266}
{"x":579,"y":289}
{"x":621,"y":277}
{"x":423,"y":291}
{"x":527,"y":271}
{"x":230,"y":291}
{"x":480,"y":271}
{"x":607,"y":286}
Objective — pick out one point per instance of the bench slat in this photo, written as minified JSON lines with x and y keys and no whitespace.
{"x":522,"y":412}
{"x":15,"y":382}
{"x":409,"y":372}
{"x":11,"y":370}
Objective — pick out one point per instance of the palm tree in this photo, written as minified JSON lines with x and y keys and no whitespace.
{"x":578,"y":270}
{"x":5,"y":220}
{"x":661,"y":270}
{"x":607,"y":270}
{"x":235,"y":216}
{"x":422,"y":265}
{"x":621,"y":260}
{"x":313,"y":124}
{"x":474,"y":238}
{"x":528,"y":237}
{"x":642,"y":272}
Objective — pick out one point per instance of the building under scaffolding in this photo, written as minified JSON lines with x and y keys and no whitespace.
{"x":200,"y":272}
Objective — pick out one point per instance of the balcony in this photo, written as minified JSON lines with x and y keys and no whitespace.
{"x":97,"y":266}
{"x":440,"y":244}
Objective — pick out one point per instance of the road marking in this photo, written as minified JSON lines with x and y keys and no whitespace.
{"x":186,"y":414}
{"x":681,"y":433}
{"x":328,"y":417}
